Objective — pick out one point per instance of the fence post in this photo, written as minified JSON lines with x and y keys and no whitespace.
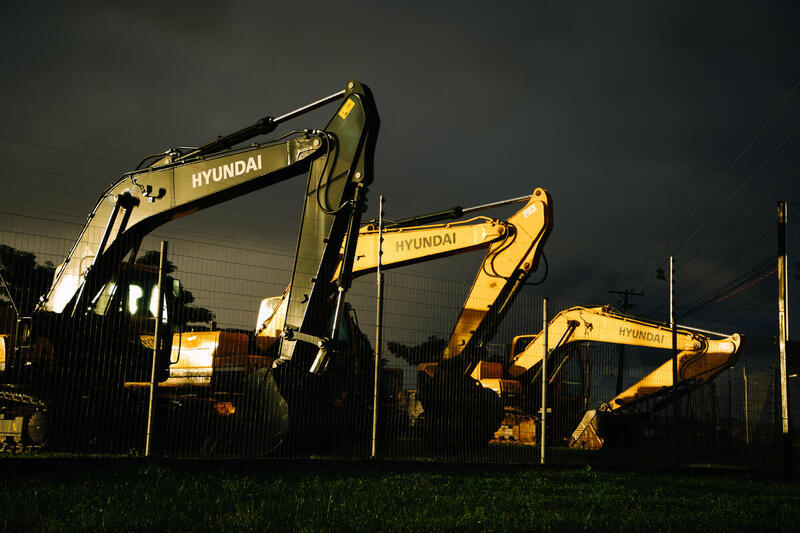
{"x":378,"y":335}
{"x":544,"y":378}
{"x":746,"y":407}
{"x":673,"y":325}
{"x":156,"y":341}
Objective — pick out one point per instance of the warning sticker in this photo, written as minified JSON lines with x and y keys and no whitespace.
{"x":531,"y":209}
{"x":346,"y":108}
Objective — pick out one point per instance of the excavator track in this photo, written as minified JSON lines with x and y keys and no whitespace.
{"x":23,"y":422}
{"x":7,"y":395}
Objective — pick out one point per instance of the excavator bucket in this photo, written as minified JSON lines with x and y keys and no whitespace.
{"x":586,"y":435}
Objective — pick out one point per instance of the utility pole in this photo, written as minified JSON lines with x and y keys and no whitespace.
{"x":626,"y":293}
{"x":783,"y":337}
{"x":621,"y":348}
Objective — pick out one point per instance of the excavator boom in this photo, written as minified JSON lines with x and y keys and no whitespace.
{"x":143,"y":200}
{"x":406,"y":246}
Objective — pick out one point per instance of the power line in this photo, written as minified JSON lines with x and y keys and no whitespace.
{"x":71,"y":176}
{"x":748,"y":279}
{"x":749,"y":212}
{"x":41,"y":218}
{"x":181,"y":236}
{"x":745,"y":182}
{"x":40,"y":132}
{"x":746,"y":285}
{"x":743,"y":249}
{"x":44,"y":207}
{"x":59,"y":191}
{"x":72,"y":152}
{"x":752,"y":174}
{"x":748,"y":302}
{"x":717,"y":184}
{"x":739,"y":253}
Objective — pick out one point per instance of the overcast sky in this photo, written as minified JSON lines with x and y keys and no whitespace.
{"x":629,"y":113}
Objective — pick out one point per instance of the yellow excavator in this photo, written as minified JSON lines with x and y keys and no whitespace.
{"x":221,"y":361}
{"x":702,"y":355}
{"x":457,"y":409}
{"x":513,"y":248}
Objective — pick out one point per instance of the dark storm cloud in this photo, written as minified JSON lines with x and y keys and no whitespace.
{"x":627,"y":112}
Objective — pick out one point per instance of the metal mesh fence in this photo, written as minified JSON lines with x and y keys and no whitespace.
{"x":83,"y":388}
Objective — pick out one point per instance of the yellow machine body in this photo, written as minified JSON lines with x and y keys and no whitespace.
{"x":699,"y":357}
{"x":504,"y":269}
{"x":512,"y":244}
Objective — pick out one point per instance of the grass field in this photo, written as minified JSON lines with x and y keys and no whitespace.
{"x":80,"y":495}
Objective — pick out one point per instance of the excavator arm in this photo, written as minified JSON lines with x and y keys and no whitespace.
{"x":458,"y":409}
{"x":502,"y":274}
{"x":335,"y":201}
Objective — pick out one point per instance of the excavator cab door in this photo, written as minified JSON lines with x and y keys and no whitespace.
{"x":128,"y":304}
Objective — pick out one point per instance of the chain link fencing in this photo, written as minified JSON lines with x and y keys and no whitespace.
{"x":83,"y":384}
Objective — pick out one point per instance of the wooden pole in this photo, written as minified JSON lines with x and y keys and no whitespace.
{"x":783,"y":336}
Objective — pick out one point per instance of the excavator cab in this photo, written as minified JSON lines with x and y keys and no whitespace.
{"x":520,"y":343}
{"x":129,"y":299}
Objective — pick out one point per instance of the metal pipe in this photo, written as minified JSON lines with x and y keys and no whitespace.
{"x":674,"y":327}
{"x":260,"y":127}
{"x":310,"y":107}
{"x":430,"y":218}
{"x":10,"y":296}
{"x":501,"y":203}
{"x":156,"y":341}
{"x":704,"y":331}
{"x":378,"y":331}
{"x":100,"y":249}
{"x":544,"y":378}
{"x":571,"y":327}
{"x":453,"y":213}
